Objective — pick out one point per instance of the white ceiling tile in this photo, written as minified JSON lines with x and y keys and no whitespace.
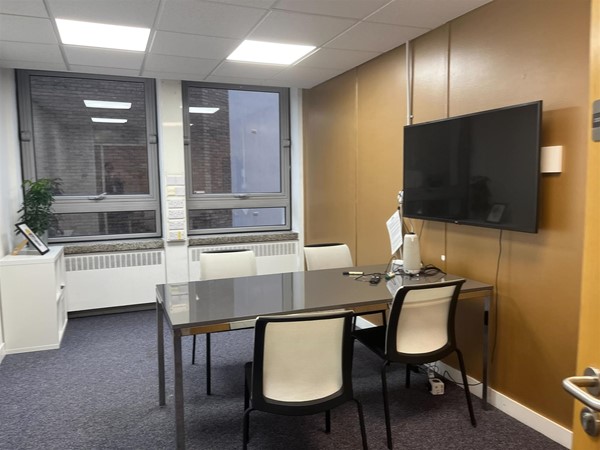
{"x":87,"y":56}
{"x":163,"y":63}
{"x":375,"y":37}
{"x":26,"y":29}
{"x":208,"y":19}
{"x":304,"y":77}
{"x":247,"y":70}
{"x":296,"y":28}
{"x":192,"y":38}
{"x":19,"y":51}
{"x":135,"y":13}
{"x":424,"y":13}
{"x":265,"y":4}
{"x":105,"y":70}
{"x":193,"y":46}
{"x":32,"y":65}
{"x":172,"y":75}
{"x":33,"y":8}
{"x":356,"y":9}
{"x":235,"y":80}
{"x":328,"y":58}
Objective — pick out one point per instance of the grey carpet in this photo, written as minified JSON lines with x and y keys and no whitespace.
{"x":99,"y":391}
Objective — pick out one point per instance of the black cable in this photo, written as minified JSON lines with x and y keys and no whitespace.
{"x":447,"y":376}
{"x":495,"y":299}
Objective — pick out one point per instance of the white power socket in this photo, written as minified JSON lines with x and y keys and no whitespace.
{"x":437,"y":386}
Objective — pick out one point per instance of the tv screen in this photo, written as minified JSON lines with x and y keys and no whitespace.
{"x":480,"y":169}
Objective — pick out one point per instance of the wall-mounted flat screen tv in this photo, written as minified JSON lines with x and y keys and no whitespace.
{"x":480,"y":169}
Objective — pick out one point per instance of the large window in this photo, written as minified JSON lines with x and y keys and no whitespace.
{"x":237,"y":150}
{"x":97,"y":135}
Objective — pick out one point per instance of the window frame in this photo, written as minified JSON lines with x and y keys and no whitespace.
{"x":80,"y":204}
{"x":241,"y":200}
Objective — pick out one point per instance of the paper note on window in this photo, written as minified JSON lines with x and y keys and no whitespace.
{"x":394,"y":227}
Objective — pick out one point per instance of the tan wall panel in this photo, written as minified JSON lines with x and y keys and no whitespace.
{"x":330,"y":162}
{"x":503,"y":53}
{"x":589,"y":331}
{"x":381,"y":116}
{"x":430,"y":75}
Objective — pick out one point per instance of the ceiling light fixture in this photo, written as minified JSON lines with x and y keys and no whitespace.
{"x":107,"y":120}
{"x":90,"y":34}
{"x":269,"y":52}
{"x":107,"y":105}
{"x":202,"y":110}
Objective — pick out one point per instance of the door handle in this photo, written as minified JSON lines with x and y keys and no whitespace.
{"x":589,"y":417}
{"x":589,"y":380}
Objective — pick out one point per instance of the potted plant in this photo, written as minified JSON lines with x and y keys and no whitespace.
{"x":36,"y":210}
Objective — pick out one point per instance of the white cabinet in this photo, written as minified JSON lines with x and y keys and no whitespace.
{"x":33,"y":300}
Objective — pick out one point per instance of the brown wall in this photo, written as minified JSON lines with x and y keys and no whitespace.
{"x":504,"y":53}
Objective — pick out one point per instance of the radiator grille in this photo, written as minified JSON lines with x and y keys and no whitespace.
{"x":260,"y":250}
{"x":112,"y":261}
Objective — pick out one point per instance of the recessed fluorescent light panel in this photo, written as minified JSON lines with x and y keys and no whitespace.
{"x":269,"y":52}
{"x":202,"y":110}
{"x":107,"y":105}
{"x":107,"y":120}
{"x":90,"y":34}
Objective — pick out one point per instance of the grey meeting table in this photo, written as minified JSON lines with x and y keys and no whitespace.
{"x":211,"y":306}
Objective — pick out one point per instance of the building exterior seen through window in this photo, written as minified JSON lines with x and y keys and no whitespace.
{"x":237,"y":158}
{"x":97,"y":135}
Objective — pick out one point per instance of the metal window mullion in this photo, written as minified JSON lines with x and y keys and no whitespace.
{"x":104,"y":206}
{"x":238,"y":203}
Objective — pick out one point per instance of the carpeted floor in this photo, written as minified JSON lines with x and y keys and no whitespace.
{"x":100,"y":391}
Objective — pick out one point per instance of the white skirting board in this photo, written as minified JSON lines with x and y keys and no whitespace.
{"x":522,"y":413}
{"x":2,"y":351}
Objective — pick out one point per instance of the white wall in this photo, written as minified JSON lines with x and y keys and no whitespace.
{"x":171,"y":162}
{"x":10,"y":169}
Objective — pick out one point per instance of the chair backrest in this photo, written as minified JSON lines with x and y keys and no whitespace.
{"x":327,"y":256}
{"x":302,"y":361}
{"x":227,"y":264}
{"x":421,"y":322}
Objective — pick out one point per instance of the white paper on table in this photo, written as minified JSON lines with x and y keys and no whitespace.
{"x":395,"y":231}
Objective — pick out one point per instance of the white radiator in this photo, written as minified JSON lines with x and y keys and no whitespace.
{"x":271,"y":257}
{"x":108,"y":280}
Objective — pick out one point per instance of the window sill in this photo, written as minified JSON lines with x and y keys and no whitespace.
{"x":243,"y":238}
{"x":153,"y":244}
{"x":113,"y":246}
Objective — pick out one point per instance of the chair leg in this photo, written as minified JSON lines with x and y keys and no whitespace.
{"x":361,"y":419}
{"x":208,"y":389}
{"x":328,"y":421}
{"x":386,"y":404}
{"x":407,"y":382}
{"x":247,"y":369}
{"x":194,"y":350}
{"x":463,"y":372}
{"x":246,"y":427}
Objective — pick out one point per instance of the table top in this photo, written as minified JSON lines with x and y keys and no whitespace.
{"x":201,"y":303}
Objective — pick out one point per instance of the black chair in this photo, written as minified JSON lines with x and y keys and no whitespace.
{"x":420,"y":330}
{"x":302,"y":365}
{"x":228,"y":263}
